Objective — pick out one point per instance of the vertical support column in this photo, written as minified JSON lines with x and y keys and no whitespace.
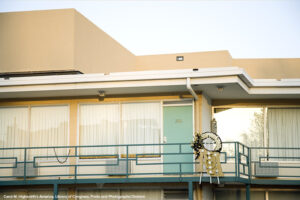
{"x":191,"y":196}
{"x":197,"y":114}
{"x":73,"y":116}
{"x":55,"y":191}
{"x":198,"y":192}
{"x":197,"y":121}
{"x":73,"y":135}
{"x":248,"y":192}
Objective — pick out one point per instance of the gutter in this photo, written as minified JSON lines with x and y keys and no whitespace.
{"x":190,"y":89}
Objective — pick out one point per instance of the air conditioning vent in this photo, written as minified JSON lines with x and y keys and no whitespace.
{"x":30,"y":170}
{"x":119,"y":169}
{"x":266,"y":169}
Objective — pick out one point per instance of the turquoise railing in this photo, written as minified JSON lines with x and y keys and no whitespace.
{"x":238,"y":161}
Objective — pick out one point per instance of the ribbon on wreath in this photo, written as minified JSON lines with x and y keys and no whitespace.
{"x":207,"y":147}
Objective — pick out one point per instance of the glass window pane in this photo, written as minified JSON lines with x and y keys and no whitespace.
{"x":245,"y":125}
{"x":99,"y":125}
{"x":284,"y":131}
{"x":13,"y":131}
{"x":237,"y":194}
{"x":286,"y":195}
{"x":141,"y":125}
{"x":49,"y":126}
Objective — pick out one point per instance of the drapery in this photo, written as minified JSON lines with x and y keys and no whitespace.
{"x":13,"y":131}
{"x":49,"y":126}
{"x":284,"y":131}
{"x":141,"y":125}
{"x":99,"y":125}
{"x":113,"y":124}
{"x":38,"y":126}
{"x":148,"y":194}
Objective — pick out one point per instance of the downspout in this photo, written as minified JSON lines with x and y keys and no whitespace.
{"x":190,"y":89}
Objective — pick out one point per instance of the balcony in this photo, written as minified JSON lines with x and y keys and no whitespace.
{"x":168,"y":163}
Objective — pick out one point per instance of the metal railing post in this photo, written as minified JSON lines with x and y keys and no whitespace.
{"x":25,"y":161}
{"x":248,"y":192}
{"x":191,"y":197}
{"x":76,"y":158}
{"x":126,"y":161}
{"x":238,"y":160}
{"x":55,"y":192}
{"x":249,"y":165}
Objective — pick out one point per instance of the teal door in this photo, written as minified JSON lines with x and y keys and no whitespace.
{"x":178,"y":128}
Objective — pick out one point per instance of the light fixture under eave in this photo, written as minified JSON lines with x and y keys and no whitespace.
{"x":101,"y":93}
{"x":220,"y":88}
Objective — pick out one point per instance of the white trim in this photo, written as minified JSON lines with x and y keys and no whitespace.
{"x":162,"y":78}
{"x":125,"y":76}
{"x":186,"y":104}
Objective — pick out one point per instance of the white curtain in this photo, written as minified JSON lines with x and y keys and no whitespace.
{"x":99,"y":125}
{"x":149,"y":194}
{"x":284,"y":131}
{"x":121,"y":194}
{"x":13,"y":131}
{"x":49,"y":126}
{"x":141,"y":125}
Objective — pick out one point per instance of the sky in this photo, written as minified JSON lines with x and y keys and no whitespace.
{"x":247,"y":28}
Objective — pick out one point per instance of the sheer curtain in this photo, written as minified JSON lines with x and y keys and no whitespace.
{"x":13,"y":131}
{"x":141,"y":125}
{"x":284,"y":131}
{"x":99,"y":125}
{"x":49,"y":126}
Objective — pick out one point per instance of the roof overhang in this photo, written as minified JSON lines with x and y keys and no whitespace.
{"x":236,"y":84}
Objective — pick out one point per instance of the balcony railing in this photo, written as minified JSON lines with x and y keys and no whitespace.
{"x":119,"y":162}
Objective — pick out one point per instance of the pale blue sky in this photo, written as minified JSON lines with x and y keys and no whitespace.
{"x":248,"y":29}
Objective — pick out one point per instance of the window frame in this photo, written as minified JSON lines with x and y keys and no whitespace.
{"x":266,"y":132}
{"x":29,"y":107}
{"x":120,"y":135}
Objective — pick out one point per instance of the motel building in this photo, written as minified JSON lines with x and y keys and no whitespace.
{"x":81,"y":117}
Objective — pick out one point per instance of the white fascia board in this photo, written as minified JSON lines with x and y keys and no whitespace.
{"x":98,"y":85}
{"x":276,"y":82}
{"x":126,"y":76}
{"x":270,"y":90}
{"x":213,"y":76}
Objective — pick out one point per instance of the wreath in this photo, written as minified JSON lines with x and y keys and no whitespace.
{"x":200,"y":142}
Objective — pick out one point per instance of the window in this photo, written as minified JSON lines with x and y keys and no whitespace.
{"x":38,"y":126}
{"x":114,"y":124}
{"x":118,"y":193}
{"x":14,"y":130}
{"x":284,"y":131}
{"x":141,"y":125}
{"x":261,"y":127}
{"x":237,"y":194}
{"x":257,"y":194}
{"x":99,"y":125}
{"x":245,"y":125}
{"x":49,"y":126}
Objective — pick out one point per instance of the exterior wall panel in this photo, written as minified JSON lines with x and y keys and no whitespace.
{"x":97,"y":52}
{"x":36,"y":41}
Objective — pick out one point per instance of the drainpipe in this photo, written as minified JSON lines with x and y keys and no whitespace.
{"x":190,"y":89}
